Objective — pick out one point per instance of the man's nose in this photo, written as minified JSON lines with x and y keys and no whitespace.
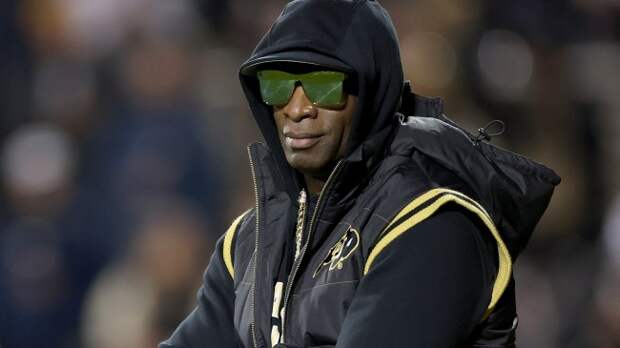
{"x":299,"y":106}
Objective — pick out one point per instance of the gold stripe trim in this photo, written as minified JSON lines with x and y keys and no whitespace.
{"x":227,"y":247}
{"x":505,"y":260}
{"x":414,"y":204}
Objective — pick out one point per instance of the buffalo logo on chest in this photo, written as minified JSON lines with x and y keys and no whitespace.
{"x":340,"y":252}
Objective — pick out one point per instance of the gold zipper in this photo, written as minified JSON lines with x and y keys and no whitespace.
{"x":292,"y":275}
{"x":253,"y":290}
{"x":277,"y":311}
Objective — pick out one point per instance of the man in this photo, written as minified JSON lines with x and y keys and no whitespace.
{"x":371,"y":228}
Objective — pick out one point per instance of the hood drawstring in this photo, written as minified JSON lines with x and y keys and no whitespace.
{"x":483,"y":133}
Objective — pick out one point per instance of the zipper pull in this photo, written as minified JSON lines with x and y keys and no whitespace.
{"x":301,"y":218}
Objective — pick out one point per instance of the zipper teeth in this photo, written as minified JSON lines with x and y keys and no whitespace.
{"x":301,"y":219}
{"x":253,"y":301}
{"x":289,"y":286}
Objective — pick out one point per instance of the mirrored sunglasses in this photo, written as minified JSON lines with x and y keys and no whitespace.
{"x":323,"y":88}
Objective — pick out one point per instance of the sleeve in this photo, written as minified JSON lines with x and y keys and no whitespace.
{"x":210,"y":324}
{"x":428,"y":288}
{"x":499,"y":329}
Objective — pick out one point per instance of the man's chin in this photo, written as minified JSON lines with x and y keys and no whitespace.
{"x":309,"y":165}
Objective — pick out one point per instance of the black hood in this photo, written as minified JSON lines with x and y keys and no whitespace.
{"x":356,"y":37}
{"x":513,"y":189}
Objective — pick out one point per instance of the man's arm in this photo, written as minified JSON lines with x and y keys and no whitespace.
{"x":428,"y":288}
{"x":211,"y":323}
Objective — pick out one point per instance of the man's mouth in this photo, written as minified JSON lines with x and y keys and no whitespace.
{"x":301,"y":141}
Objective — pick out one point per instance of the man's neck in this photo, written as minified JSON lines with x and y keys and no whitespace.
{"x":313,"y":184}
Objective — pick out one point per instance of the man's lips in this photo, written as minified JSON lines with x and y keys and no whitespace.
{"x":301,"y":141}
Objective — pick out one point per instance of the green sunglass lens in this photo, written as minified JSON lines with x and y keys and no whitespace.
{"x":327,"y":94}
{"x":324,"y":88}
{"x":276,"y":87}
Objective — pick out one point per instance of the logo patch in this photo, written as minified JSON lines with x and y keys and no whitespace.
{"x":341,"y":251}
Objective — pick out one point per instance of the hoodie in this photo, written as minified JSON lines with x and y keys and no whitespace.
{"x":412,"y":239}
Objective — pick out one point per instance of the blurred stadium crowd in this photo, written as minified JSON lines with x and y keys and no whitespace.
{"x":122,"y":153}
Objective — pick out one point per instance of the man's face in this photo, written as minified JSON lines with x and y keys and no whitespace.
{"x":313,"y":138}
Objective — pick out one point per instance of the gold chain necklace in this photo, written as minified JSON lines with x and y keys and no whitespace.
{"x":301,"y":218}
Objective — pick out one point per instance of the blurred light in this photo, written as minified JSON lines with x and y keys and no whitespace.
{"x":174,"y":20}
{"x":506,"y":64}
{"x":429,"y":60}
{"x":595,"y":71}
{"x":98,"y":28}
{"x":43,"y":23}
{"x":37,"y":159}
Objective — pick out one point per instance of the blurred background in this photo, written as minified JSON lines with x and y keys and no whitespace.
{"x":122,"y":153}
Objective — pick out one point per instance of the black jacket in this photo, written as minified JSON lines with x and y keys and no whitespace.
{"x":412,"y":239}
